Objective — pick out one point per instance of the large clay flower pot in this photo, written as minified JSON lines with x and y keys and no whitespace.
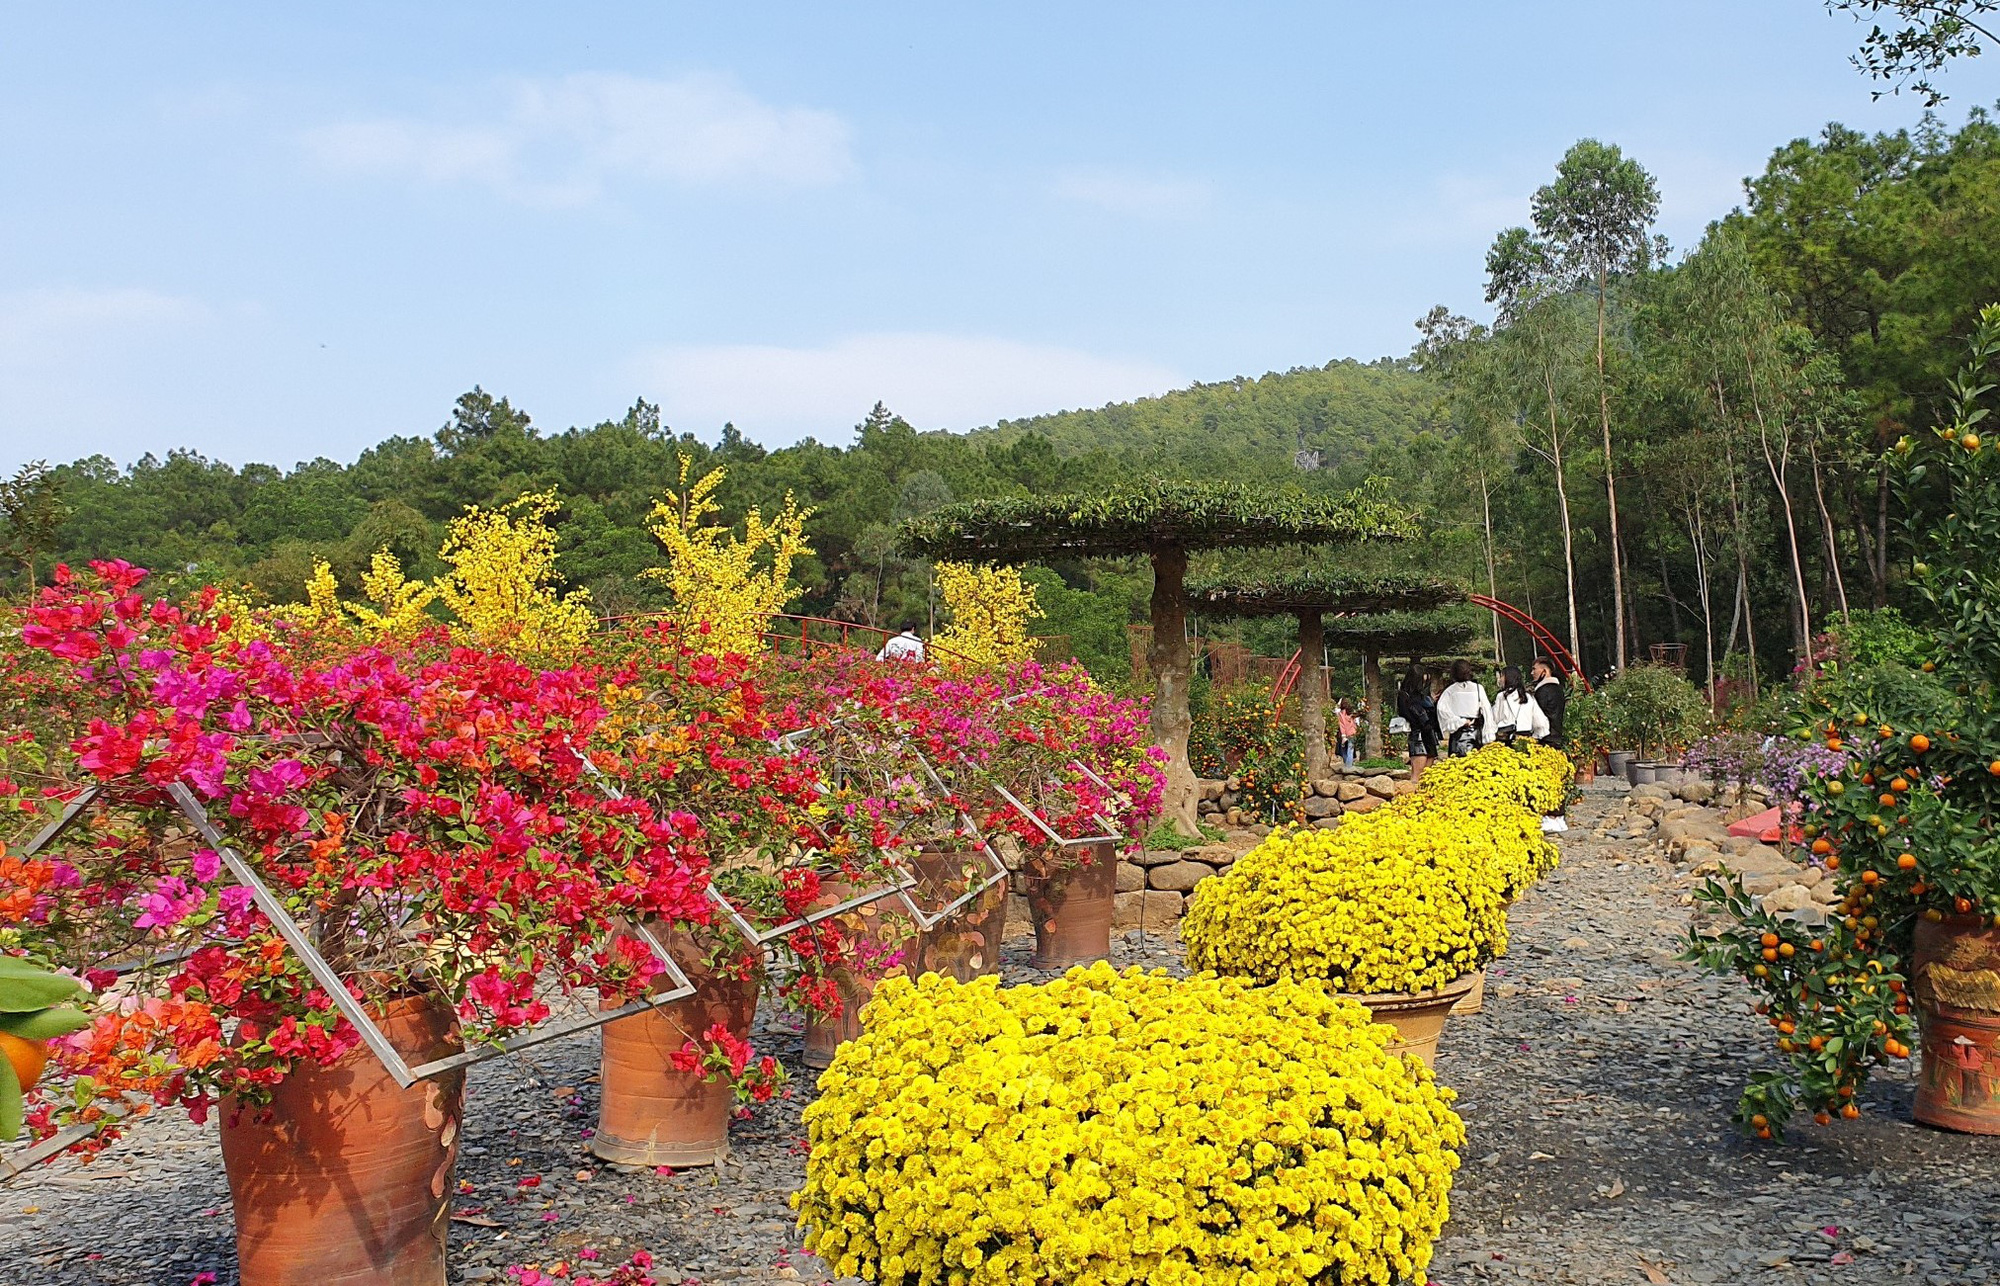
{"x":1418,"y":1018}
{"x":346,"y":1178}
{"x":966,"y":944}
{"x":1072,"y":907}
{"x":1956,"y":975}
{"x":881,"y":927}
{"x":651,"y":1113}
{"x":1474,"y":1000}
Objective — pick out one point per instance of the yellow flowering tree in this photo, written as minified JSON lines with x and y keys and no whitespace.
{"x":399,"y":602}
{"x":990,"y":609}
{"x":726,"y":587}
{"x":322,"y":606}
{"x":501,"y":586}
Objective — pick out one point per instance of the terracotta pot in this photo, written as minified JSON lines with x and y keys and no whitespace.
{"x":652,"y":1113}
{"x":1072,"y":908}
{"x":346,"y":1178}
{"x":886,"y":926}
{"x":1587,"y":773}
{"x":1474,"y":1000}
{"x":1955,"y":975}
{"x":966,"y":944}
{"x":1418,"y":1018}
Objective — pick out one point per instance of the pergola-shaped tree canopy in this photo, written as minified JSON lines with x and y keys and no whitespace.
{"x":1411,"y":634}
{"x":1163,"y":519}
{"x":1312,"y":594}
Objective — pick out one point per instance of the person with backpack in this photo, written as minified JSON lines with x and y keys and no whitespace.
{"x":1516,"y":713}
{"x":1464,"y":713}
{"x":1418,"y":708}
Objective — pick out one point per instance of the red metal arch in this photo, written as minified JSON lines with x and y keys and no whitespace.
{"x":1545,"y":640}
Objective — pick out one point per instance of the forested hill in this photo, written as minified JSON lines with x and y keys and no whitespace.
{"x":260,"y":526}
{"x":1330,"y":415}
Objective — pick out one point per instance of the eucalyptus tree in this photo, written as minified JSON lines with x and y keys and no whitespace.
{"x":1592,"y":227}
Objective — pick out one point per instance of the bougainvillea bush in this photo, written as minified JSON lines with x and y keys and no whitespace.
{"x":1126,"y":1127}
{"x":429,"y":812}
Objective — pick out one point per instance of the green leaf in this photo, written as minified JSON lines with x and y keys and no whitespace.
{"x":47,"y":1024}
{"x":25,"y":988}
{"x":11,"y":1106}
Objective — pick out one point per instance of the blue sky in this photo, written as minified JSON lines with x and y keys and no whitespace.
{"x":274,"y":232}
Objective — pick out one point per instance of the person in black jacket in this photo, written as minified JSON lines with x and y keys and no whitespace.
{"x":1552,"y":697}
{"x":1419,"y":709}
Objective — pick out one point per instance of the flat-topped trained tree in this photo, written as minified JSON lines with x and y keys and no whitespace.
{"x":1165,"y":520}
{"x":1312,"y":594}
{"x":1412,"y":634}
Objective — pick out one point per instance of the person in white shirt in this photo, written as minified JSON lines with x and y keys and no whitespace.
{"x":1516,"y":713}
{"x":1465,"y":716}
{"x":906,"y":646}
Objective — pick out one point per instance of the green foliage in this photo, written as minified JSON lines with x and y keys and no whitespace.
{"x":1655,"y":708}
{"x":1419,"y":634}
{"x":33,"y":1008}
{"x":1167,"y":838}
{"x":1932,"y":34}
{"x":1887,"y":693}
{"x":1152,"y":513}
{"x":1327,"y":592}
{"x":1881,"y":637}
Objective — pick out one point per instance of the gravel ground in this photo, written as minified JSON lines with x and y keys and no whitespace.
{"x":1596,"y":1089}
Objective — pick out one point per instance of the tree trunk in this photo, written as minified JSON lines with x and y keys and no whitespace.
{"x":1167,"y":655}
{"x":1779,"y":464}
{"x":1312,"y":693}
{"x":1828,"y":533}
{"x":1371,"y":688}
{"x":1610,"y":482}
{"x":1492,"y":581}
{"x":1742,"y":552}
{"x":1699,"y":539}
{"x":1562,"y":499}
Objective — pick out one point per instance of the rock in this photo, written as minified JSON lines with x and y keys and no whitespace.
{"x":1739,"y":845}
{"x":1149,"y":909}
{"x":1235,"y":817}
{"x":1700,"y":828}
{"x":1404,"y":786}
{"x":1366,"y":804}
{"x":1327,"y":786}
{"x":1736,"y":813}
{"x":1211,"y":789}
{"x":1766,"y":882}
{"x":1697,"y":790}
{"x":1234,"y":783}
{"x":1154,"y":857}
{"x":1318,"y":806}
{"x":1349,"y":791}
{"x":1381,"y":787}
{"x":1650,"y":792}
{"x":1327,"y":823}
{"x":1131,"y":878}
{"x":1179,"y":876}
{"x":1701,"y":856}
{"x":1786,"y":897}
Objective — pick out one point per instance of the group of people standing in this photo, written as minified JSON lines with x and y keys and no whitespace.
{"x":1462,"y":718}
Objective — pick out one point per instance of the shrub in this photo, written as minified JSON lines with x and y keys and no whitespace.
{"x":1656,"y":708}
{"x":1109,"y":1127}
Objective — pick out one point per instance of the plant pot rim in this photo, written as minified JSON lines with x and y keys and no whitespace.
{"x":1450,"y":992}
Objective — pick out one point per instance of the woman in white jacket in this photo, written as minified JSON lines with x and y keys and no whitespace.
{"x":1516,"y":713}
{"x":1465,"y":716}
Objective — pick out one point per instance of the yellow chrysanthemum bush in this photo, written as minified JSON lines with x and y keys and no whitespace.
{"x":1504,"y":791}
{"x":990,"y":609}
{"x":726,"y":587}
{"x":501,"y":586}
{"x":1113,"y":1127}
{"x":1397,"y":900}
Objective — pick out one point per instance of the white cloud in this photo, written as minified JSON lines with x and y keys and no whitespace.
{"x":561,"y":141}
{"x":1137,"y":195}
{"x":934,"y":381}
